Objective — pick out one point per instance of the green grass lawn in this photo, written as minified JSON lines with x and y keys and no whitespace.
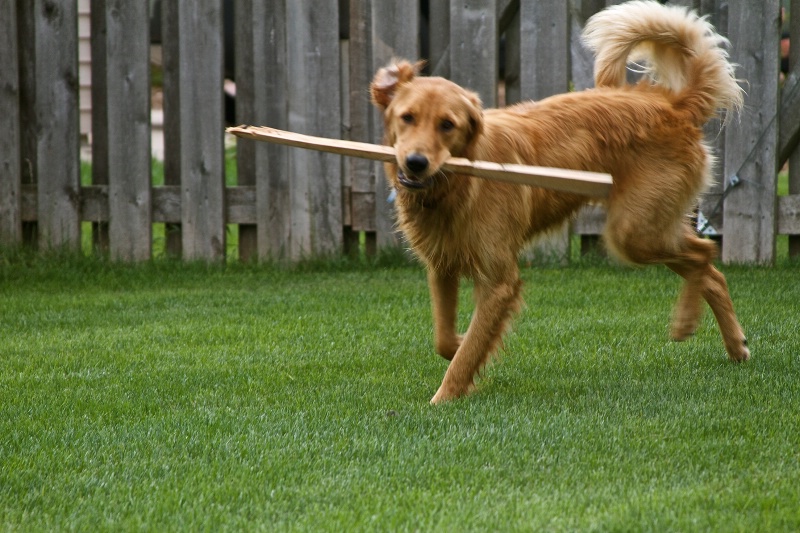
{"x":186,"y":397}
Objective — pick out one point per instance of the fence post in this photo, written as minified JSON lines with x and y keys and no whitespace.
{"x":121,"y":123}
{"x":260,"y":86}
{"x":473,"y":47}
{"x":193,"y":113}
{"x":314,"y":107}
{"x":390,"y":40}
{"x":750,"y":146}
{"x":545,"y":71}
{"x":361,"y":179}
{"x":10,"y":185}
{"x":50,"y":134}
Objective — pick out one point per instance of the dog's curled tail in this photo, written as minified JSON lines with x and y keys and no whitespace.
{"x":683,"y":52}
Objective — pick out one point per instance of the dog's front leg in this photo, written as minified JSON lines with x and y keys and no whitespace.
{"x":444,"y":302}
{"x":495,"y":304}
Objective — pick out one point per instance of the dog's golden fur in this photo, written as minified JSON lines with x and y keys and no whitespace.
{"x":648,"y":136}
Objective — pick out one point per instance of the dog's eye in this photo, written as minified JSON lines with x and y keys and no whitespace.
{"x":408,"y":118}
{"x":446,"y":125}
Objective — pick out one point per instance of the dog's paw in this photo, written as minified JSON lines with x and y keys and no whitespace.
{"x":447,"y":393}
{"x":682,"y":330}
{"x":739,"y":352}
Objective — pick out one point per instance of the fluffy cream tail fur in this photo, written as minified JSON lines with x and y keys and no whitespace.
{"x":683,"y":52}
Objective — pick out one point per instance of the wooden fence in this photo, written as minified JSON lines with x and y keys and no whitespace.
{"x":305,"y":65}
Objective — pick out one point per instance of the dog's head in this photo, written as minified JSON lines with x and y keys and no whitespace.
{"x":427,"y":120}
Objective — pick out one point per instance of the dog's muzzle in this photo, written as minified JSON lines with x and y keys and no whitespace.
{"x":411,"y":183}
{"x":416,"y":164}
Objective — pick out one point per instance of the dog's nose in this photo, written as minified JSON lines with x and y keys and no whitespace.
{"x":416,"y":163}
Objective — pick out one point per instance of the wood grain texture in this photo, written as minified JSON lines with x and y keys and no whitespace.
{"x":589,"y":183}
{"x":750,"y":145}
{"x":10,"y":183}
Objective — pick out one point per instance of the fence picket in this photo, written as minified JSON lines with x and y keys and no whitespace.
{"x":473,"y":47}
{"x":750,"y":152}
{"x":545,"y":71}
{"x":10,"y":185}
{"x":314,"y":107}
{"x":49,"y":120}
{"x":195,"y":110}
{"x":121,"y":123}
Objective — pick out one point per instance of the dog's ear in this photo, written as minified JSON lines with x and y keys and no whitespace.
{"x":386,"y":80}
{"x":475,"y":110}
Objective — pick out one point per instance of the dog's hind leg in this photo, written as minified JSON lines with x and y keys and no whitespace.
{"x":444,"y":303}
{"x":695,"y":265}
{"x":495,"y":304}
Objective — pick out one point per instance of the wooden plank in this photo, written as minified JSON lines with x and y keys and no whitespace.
{"x":200,"y":108}
{"x":315,"y":190}
{"x":167,"y":204}
{"x":124,"y":140}
{"x":390,"y":40}
{"x":10,"y":184}
{"x":240,"y":205}
{"x":439,"y":38}
{"x":590,"y":220}
{"x":248,"y":20}
{"x":473,"y":47}
{"x":360,"y":176}
{"x":512,"y":90}
{"x":99,"y":115}
{"x":577,"y":181}
{"x":545,"y":71}
{"x":544,"y":48}
{"x":171,"y":58}
{"x":581,"y":58}
{"x":55,"y":130}
{"x":750,"y":151}
{"x":789,"y":215}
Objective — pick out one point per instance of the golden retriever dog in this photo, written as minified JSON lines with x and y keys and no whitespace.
{"x":648,"y":136}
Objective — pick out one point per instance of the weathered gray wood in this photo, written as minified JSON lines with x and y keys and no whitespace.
{"x":789,"y":215}
{"x":473,"y":47}
{"x":273,"y":206}
{"x":390,"y":40}
{"x":544,"y":48}
{"x":581,"y":58}
{"x":122,"y":144}
{"x":545,"y":71}
{"x":201,"y":123}
{"x":249,"y":19}
{"x":52,"y":123}
{"x":314,"y":108}
{"x":28,"y":136}
{"x":10,"y":184}
{"x":170,"y":45}
{"x":439,"y":38}
{"x":361,"y":179}
{"x":510,"y":30}
{"x":750,"y":221}
{"x":100,"y":106}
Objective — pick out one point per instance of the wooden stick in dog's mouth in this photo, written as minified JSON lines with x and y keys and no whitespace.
{"x":595,"y":184}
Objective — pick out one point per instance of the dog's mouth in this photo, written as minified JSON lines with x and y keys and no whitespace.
{"x":414,"y":183}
